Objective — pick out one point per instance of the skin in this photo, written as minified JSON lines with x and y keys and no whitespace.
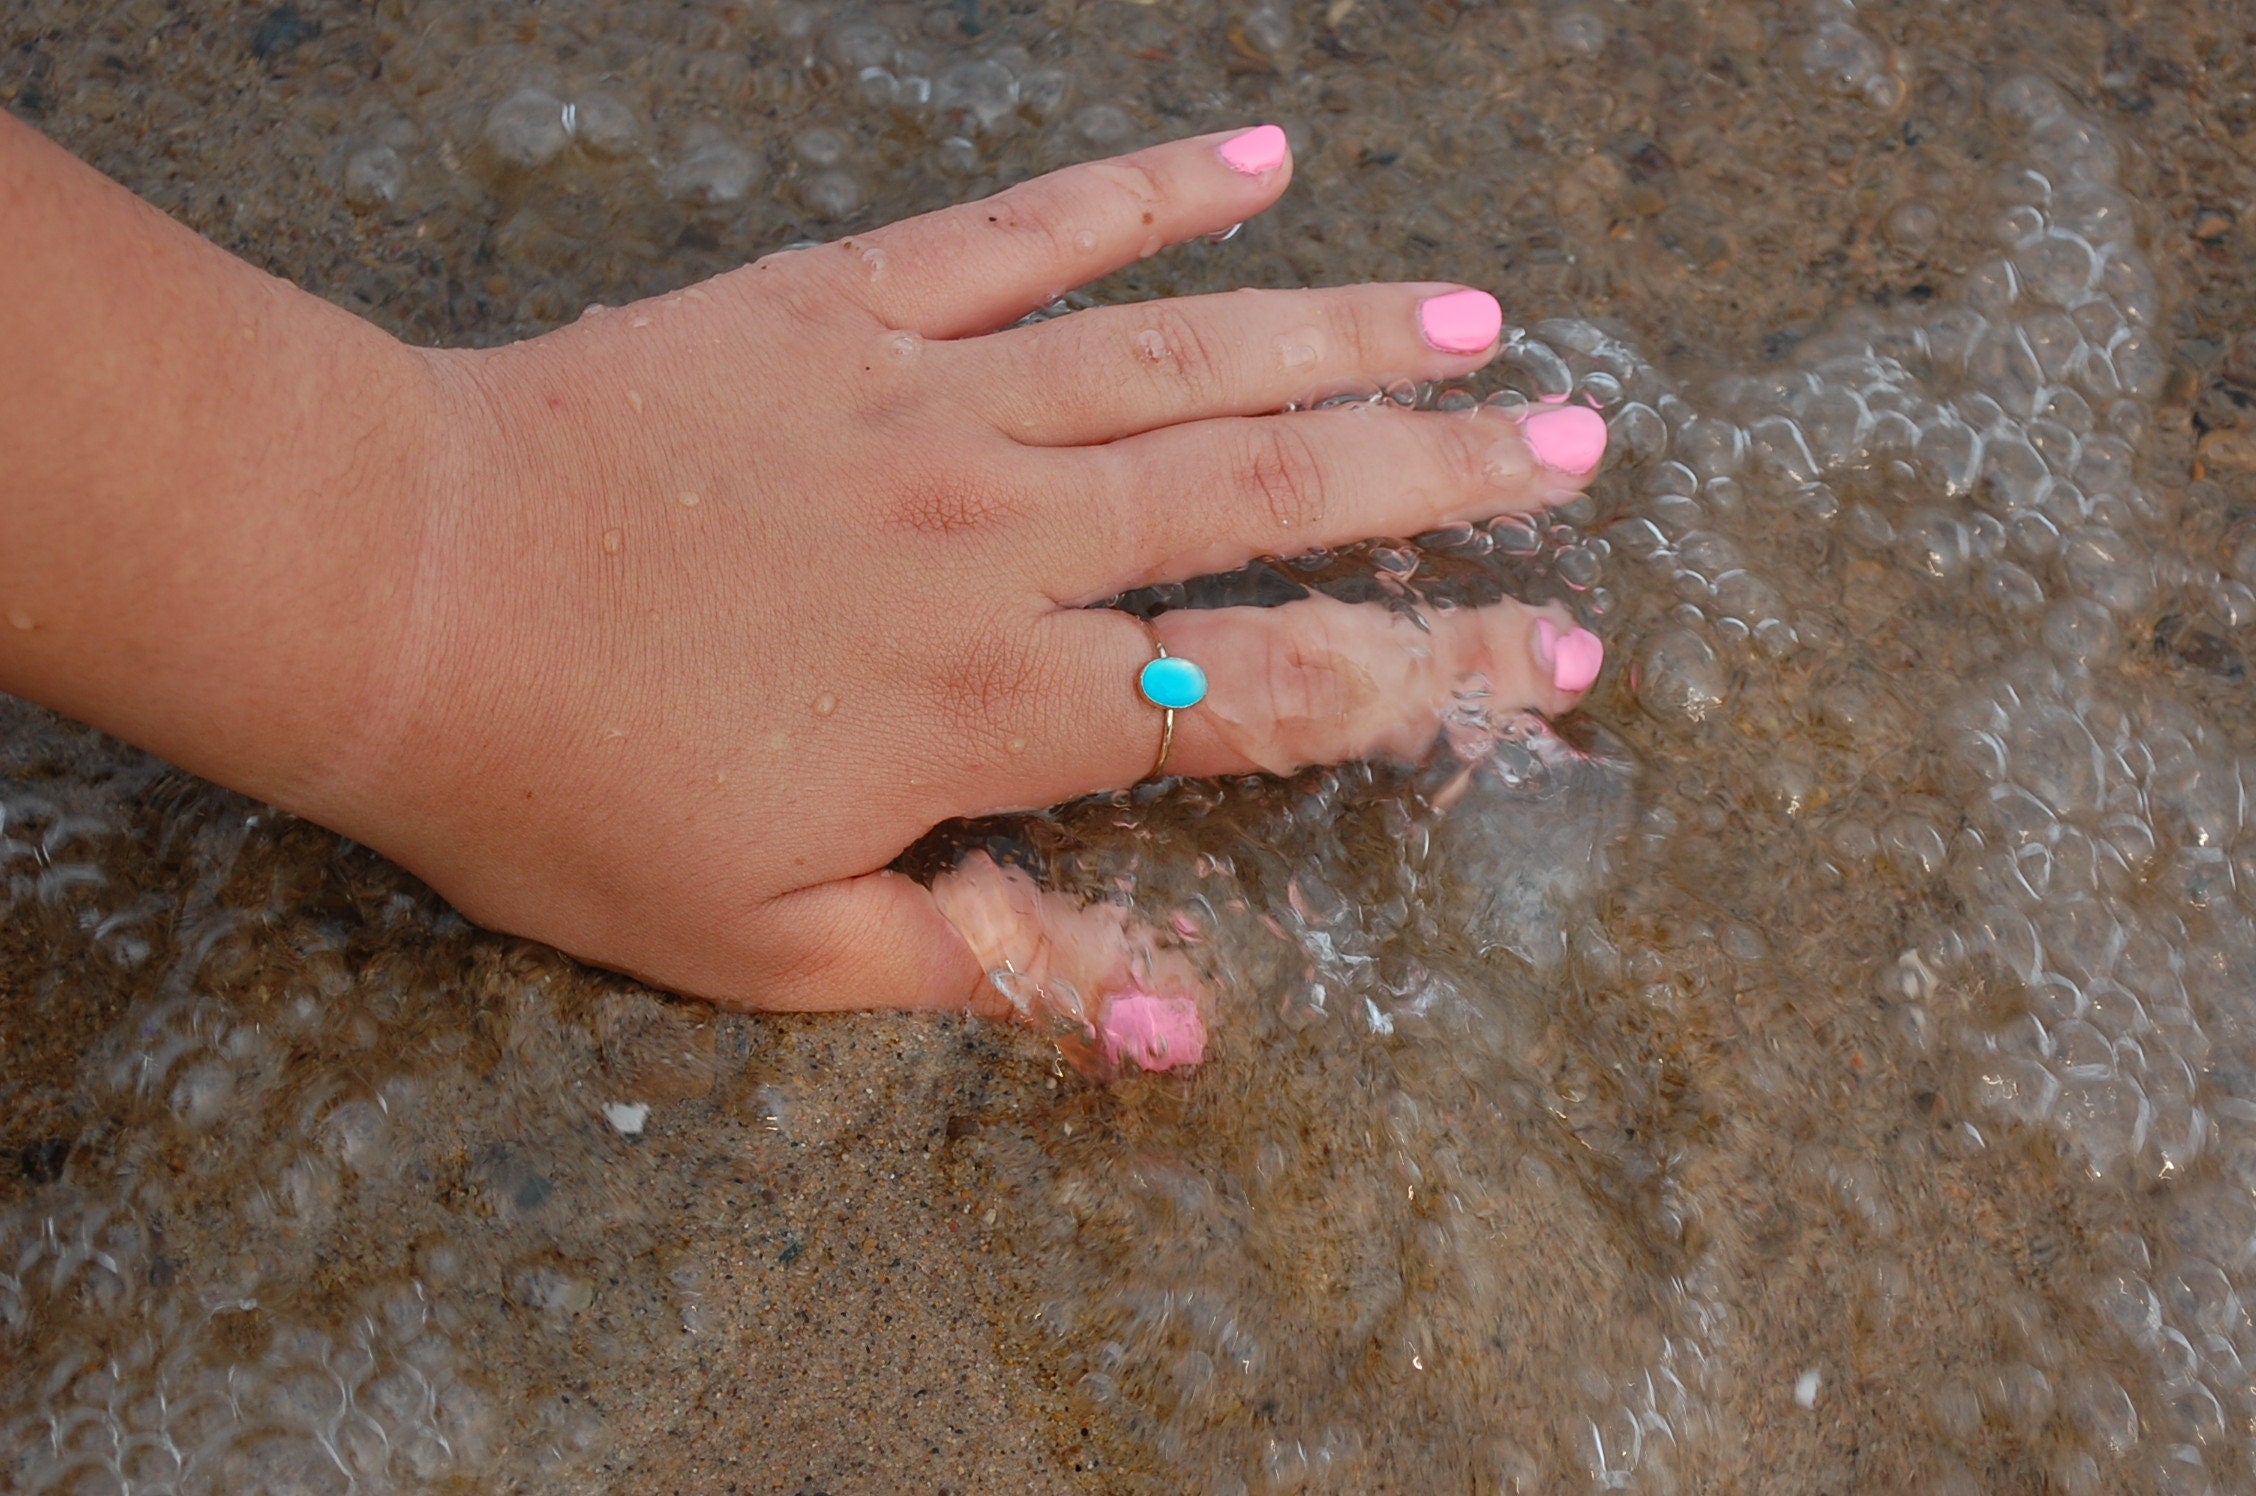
{"x":658,"y":637}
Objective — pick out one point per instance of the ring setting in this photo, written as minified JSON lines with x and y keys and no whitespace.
{"x":1172,"y":684}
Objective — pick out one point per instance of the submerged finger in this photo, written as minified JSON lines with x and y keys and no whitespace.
{"x":1312,"y":682}
{"x":1320,"y":681}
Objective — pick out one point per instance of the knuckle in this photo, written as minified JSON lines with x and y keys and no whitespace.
{"x":1465,"y":454}
{"x":1136,"y":180}
{"x":1036,"y":211}
{"x":1177,"y":349}
{"x":800,"y":287}
{"x":1355,"y":329}
{"x":1285,"y":476}
{"x":1300,"y":678}
{"x":994,"y":679}
{"x":943,"y":502}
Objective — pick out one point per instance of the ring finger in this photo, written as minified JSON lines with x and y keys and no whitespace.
{"x":1209,"y":496}
{"x":1316,"y":681}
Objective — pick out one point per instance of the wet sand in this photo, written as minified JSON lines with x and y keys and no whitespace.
{"x":247,"y":1065}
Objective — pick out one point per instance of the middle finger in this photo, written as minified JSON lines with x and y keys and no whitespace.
{"x":1113,"y":371}
{"x":1210,"y":496}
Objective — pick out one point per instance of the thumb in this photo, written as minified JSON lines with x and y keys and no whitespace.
{"x":876,"y":941}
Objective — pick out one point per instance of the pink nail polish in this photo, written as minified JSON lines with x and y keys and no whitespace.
{"x":1460,"y":321}
{"x":1580,"y":656}
{"x":1567,"y":438}
{"x":1573,"y":657}
{"x":1157,"y":1033}
{"x":1260,"y":149}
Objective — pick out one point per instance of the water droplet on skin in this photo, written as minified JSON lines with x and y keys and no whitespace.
{"x":1085,"y":240}
{"x":1151,"y":345}
{"x":689,"y":501}
{"x":1015,"y":745}
{"x":19,"y":618}
{"x":612,"y":540}
{"x":825,"y":704}
{"x":634,"y":398}
{"x":639,"y":322}
{"x":904,"y":345}
{"x":873,"y":259}
{"x":594,"y":309}
{"x":1297,"y":349}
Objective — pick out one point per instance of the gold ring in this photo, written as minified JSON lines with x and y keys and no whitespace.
{"x":1168,"y":682}
{"x":1167,"y":719}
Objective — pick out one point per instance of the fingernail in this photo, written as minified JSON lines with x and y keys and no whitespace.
{"x":1460,"y":321}
{"x":1566,"y":438}
{"x":1572,"y":657}
{"x":1157,"y":1033}
{"x":1580,"y":657}
{"x":1260,"y":149}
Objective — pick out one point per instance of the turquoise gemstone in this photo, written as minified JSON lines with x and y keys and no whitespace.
{"x":1173,"y":682}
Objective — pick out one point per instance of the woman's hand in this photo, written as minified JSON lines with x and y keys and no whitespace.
{"x":657,"y":638}
{"x":725,"y":598}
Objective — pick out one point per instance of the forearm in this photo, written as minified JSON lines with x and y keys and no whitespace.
{"x":210,"y":490}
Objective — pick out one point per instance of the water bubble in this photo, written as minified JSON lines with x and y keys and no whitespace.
{"x":981,"y":93}
{"x":1103,"y":124}
{"x":712,"y":169}
{"x":821,"y":147}
{"x":2109,"y":568}
{"x":858,"y":44}
{"x":1935,"y":544}
{"x":1578,"y":31}
{"x":2059,"y":268}
{"x":605,"y":125}
{"x":1042,"y":92}
{"x":1912,"y":224}
{"x":527,"y":128}
{"x":1778,"y":444}
{"x":373,"y":177}
{"x":958,"y":155}
{"x":2072,"y":150}
{"x":1844,"y":59}
{"x":1678,"y":677}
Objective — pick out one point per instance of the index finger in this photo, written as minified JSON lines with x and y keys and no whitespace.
{"x":980,"y":266}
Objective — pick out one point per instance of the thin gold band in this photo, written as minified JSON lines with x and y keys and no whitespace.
{"x":1167,"y":722}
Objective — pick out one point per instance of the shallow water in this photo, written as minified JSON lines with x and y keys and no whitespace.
{"x":1830,"y":1064}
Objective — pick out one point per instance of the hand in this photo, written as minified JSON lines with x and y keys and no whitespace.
{"x":722,"y":599}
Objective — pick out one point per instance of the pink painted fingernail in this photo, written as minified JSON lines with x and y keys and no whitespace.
{"x":1158,"y":1033}
{"x":1460,"y":321}
{"x":1260,"y":149}
{"x":1573,"y":657}
{"x":1567,"y":438}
